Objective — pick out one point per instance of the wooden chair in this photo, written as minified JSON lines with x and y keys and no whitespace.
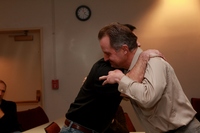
{"x":32,"y":118}
{"x":129,"y":123}
{"x":52,"y":128}
{"x":196,"y":105}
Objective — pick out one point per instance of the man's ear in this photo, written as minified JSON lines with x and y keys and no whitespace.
{"x":125,"y":48}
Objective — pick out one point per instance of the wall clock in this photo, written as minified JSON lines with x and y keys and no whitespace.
{"x":83,"y":13}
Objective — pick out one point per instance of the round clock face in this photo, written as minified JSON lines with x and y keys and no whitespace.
{"x":83,"y":13}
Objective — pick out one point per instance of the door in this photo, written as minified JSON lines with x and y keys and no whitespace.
{"x":20,"y":66}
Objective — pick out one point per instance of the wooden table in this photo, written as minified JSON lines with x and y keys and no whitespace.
{"x":60,"y":122}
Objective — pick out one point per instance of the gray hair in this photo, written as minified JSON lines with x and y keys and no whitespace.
{"x":119,"y":35}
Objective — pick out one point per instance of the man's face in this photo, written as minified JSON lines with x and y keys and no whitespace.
{"x":2,"y":90}
{"x":117,"y":58}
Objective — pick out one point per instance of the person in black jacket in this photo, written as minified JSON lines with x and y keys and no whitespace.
{"x":8,"y":113}
{"x":95,"y":105}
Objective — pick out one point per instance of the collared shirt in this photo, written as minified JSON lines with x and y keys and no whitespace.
{"x":159,"y":101}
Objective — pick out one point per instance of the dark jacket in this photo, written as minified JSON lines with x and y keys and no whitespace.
{"x":95,"y":104}
{"x":9,"y":122}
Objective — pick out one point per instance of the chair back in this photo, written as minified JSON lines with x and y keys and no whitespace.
{"x":129,"y":123}
{"x":52,"y":128}
{"x":196,"y":105}
{"x":32,"y":118}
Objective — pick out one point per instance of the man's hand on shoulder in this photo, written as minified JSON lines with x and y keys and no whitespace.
{"x":112,"y":77}
{"x":150,"y":53}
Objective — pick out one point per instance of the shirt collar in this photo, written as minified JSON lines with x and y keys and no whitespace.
{"x":135,"y":57}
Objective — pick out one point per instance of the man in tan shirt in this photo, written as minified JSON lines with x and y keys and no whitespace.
{"x":156,"y":95}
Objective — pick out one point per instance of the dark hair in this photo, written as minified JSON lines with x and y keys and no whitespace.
{"x":131,"y":27}
{"x":1,"y":81}
{"x":119,"y":35}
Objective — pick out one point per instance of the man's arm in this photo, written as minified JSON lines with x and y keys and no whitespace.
{"x":136,"y":73}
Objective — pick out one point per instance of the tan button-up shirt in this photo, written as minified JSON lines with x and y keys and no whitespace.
{"x":159,"y":101}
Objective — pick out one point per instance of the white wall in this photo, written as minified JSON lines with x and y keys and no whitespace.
{"x":172,"y":29}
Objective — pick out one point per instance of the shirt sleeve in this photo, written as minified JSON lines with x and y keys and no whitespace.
{"x":147,"y":93}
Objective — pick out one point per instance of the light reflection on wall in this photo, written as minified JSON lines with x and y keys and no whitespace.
{"x":170,"y":18}
{"x":173,"y":27}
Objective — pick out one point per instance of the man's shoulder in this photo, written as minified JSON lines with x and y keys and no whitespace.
{"x":102,"y":61}
{"x":7,"y":102}
{"x":102,"y":67}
